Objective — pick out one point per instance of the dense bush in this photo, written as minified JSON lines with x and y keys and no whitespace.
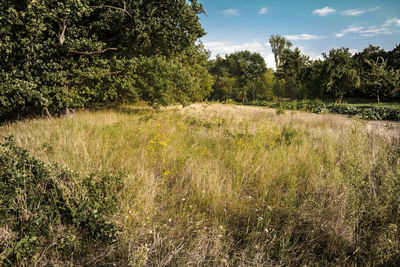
{"x":156,"y":79}
{"x":57,"y":55}
{"x":48,"y":213}
{"x":367,"y":112}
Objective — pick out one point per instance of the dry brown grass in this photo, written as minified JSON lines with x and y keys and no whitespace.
{"x":228,"y":185}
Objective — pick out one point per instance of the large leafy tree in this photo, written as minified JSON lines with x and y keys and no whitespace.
{"x":393,"y":57}
{"x":313,"y":80}
{"x":292,"y":70}
{"x":237,"y":74}
{"x":51,"y":51}
{"x":382,"y":81}
{"x":339,"y":73}
{"x":263,"y":86}
{"x":278,"y":45}
{"x":224,"y":84}
{"x":369,"y":53}
{"x":246,"y":67}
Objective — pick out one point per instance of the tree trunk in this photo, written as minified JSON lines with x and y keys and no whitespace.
{"x":377,"y":97}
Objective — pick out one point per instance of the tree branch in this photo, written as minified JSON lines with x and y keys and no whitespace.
{"x":61,"y":37}
{"x":113,"y":72}
{"x":93,"y":53}
{"x":113,"y":7}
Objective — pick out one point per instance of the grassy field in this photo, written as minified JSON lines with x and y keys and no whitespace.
{"x":227,"y":185}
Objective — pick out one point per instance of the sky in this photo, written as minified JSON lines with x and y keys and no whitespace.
{"x":314,"y":26}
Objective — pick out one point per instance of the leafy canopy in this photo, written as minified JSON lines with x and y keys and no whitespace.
{"x":53,"y":52}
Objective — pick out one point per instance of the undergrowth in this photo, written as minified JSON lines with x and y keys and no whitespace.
{"x":49,"y":214}
{"x":363,"y":111}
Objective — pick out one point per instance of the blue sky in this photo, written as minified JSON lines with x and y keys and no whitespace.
{"x":314,"y":26}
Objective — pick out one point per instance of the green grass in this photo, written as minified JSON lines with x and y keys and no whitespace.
{"x":234,"y":185}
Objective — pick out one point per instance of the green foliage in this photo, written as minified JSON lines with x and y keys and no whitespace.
{"x":367,"y":112}
{"x":51,"y":212}
{"x":381,"y":80}
{"x":164,"y":82}
{"x":393,"y":57}
{"x":263,"y":87}
{"x":280,"y":110}
{"x":313,"y":79}
{"x":340,"y":74}
{"x":278,"y":45}
{"x":292,"y":69}
{"x":223,"y":88}
{"x":238,"y":75}
{"x":288,"y":135}
{"x":66,"y":54}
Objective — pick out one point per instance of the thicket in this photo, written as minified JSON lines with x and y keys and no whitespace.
{"x":49,"y":214}
{"x":60,"y":55}
{"x":367,"y":112}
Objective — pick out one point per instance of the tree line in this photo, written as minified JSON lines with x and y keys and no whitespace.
{"x":60,"y":55}
{"x":243,"y":76}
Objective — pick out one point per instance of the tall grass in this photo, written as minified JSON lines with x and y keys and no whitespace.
{"x":228,"y":185}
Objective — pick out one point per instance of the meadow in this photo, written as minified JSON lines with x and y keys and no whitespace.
{"x":226,"y":185}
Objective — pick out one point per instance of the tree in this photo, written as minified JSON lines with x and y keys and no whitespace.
{"x":313,"y":80}
{"x":246,"y":67}
{"x":381,"y":80}
{"x":393,"y":57}
{"x":278,"y":45}
{"x":292,"y":70}
{"x":53,"y":52}
{"x":224,"y":86}
{"x":339,"y":73}
{"x":263,"y":86}
{"x":369,"y":53}
{"x":237,"y":74}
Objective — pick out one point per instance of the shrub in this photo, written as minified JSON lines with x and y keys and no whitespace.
{"x":49,"y":212}
{"x":280,"y":111}
{"x":366,"y":112}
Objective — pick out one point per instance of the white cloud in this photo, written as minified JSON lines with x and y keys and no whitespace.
{"x":231,"y":12}
{"x":352,"y":12}
{"x":354,"y":51}
{"x":263,"y":11}
{"x":393,"y":21}
{"x":264,"y":49}
{"x":364,"y":31}
{"x":310,"y":53}
{"x":324,"y":11}
{"x":358,"y":11}
{"x":352,"y":28}
{"x":304,"y":36}
{"x":376,"y":30}
{"x":224,"y":48}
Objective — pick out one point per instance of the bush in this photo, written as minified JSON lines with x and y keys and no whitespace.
{"x":280,"y":111}
{"x":367,"y":112}
{"x":50,"y":213}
